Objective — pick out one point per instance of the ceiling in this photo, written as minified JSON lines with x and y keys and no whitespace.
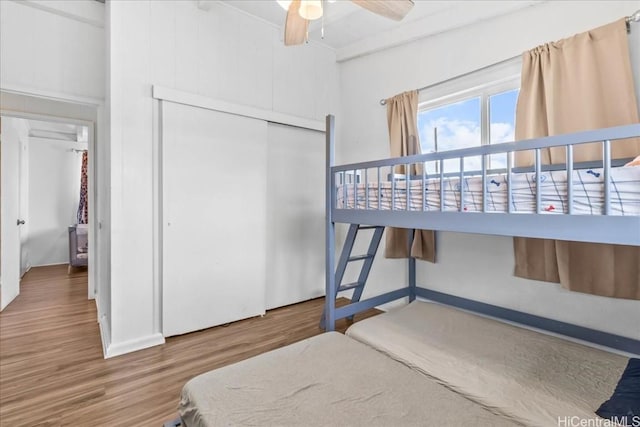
{"x":352,"y":31}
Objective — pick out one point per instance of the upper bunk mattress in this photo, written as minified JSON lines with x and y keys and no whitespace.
{"x":528,"y":376}
{"x":329,"y":379}
{"x":588,"y":193}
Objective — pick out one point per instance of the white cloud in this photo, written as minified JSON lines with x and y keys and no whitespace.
{"x":453,"y":134}
{"x":502,"y":132}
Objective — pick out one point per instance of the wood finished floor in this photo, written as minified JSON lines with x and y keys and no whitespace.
{"x":52,"y":372}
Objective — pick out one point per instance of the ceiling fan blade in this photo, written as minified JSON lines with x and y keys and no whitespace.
{"x":392,"y":9}
{"x":295,"y":28}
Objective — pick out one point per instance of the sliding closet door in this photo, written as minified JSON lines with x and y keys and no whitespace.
{"x":214,"y":210}
{"x":295,"y":215}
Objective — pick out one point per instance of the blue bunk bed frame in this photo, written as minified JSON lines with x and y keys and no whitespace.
{"x":604,"y":228}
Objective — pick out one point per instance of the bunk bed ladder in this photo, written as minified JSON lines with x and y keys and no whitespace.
{"x":346,"y":257}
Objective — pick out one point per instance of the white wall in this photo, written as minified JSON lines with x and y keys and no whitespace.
{"x":53,"y":48}
{"x":54,"y":189}
{"x":221,"y":54}
{"x":487,"y":260}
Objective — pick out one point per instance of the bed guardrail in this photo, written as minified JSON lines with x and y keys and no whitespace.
{"x":421,"y":191}
{"x":418,"y":198}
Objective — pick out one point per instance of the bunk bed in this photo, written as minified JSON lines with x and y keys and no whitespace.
{"x":587,"y":202}
{"x":430,"y":363}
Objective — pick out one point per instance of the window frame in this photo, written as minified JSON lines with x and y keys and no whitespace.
{"x":484,"y":83}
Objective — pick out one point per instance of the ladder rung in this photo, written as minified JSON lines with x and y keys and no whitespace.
{"x":368,"y":227}
{"x":360,"y":257}
{"x":349,"y":286}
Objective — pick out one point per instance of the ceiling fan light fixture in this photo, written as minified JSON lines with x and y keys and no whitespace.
{"x":284,"y":4}
{"x":310,"y":9}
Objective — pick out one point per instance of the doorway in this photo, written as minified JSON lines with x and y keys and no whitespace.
{"x":46,"y":189}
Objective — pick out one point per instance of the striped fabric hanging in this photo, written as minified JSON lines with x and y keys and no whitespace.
{"x":83,"y":207}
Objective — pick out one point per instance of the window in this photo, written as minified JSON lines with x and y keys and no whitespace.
{"x":502,"y":123}
{"x":449,"y":127}
{"x":468,"y":112}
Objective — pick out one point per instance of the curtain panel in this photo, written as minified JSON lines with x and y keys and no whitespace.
{"x":82,"y":216}
{"x":402,"y":120}
{"x":580,"y":83}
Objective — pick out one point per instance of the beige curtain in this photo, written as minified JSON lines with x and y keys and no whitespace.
{"x":580,"y":83}
{"x":402,"y":118}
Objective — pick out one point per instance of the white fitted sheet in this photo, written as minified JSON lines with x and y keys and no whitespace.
{"x":531,"y":377}
{"x":588,"y":193}
{"x":327,"y":380}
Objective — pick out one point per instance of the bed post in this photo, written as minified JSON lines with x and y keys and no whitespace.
{"x":330,"y":231}
{"x":412,"y":268}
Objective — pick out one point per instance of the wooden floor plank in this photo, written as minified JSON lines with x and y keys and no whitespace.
{"x":52,"y":372}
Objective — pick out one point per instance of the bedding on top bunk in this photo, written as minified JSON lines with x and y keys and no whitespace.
{"x":588,"y":193}
{"x":532,"y":377}
{"x":329,"y":379}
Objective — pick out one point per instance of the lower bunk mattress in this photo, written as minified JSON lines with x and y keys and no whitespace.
{"x":329,"y":379}
{"x":529,"y":377}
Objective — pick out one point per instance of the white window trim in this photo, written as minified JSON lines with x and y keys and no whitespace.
{"x":462,"y":87}
{"x":489,"y":81}
{"x":486,"y":89}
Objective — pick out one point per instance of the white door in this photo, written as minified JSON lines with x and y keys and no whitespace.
{"x":10,"y":223}
{"x":23,"y":204}
{"x":213,"y":216}
{"x":295,"y":215}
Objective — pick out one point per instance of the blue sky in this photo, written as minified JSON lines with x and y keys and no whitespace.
{"x":458,"y":126}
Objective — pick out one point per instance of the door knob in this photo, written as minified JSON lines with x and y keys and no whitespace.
{"x":20,"y":222}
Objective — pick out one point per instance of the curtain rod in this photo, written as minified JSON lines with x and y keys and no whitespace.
{"x":635,"y":17}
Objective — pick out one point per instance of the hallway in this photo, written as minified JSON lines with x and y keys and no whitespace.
{"x":47,"y":337}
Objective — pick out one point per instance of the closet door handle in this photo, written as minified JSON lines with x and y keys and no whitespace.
{"x":20,"y":222}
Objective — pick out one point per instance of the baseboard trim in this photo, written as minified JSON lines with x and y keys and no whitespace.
{"x":119,"y":348}
{"x":105,"y":333}
{"x":26,"y":270}
{"x":50,"y":265}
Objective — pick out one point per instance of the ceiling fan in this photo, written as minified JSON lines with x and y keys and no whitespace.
{"x":300,"y":12}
